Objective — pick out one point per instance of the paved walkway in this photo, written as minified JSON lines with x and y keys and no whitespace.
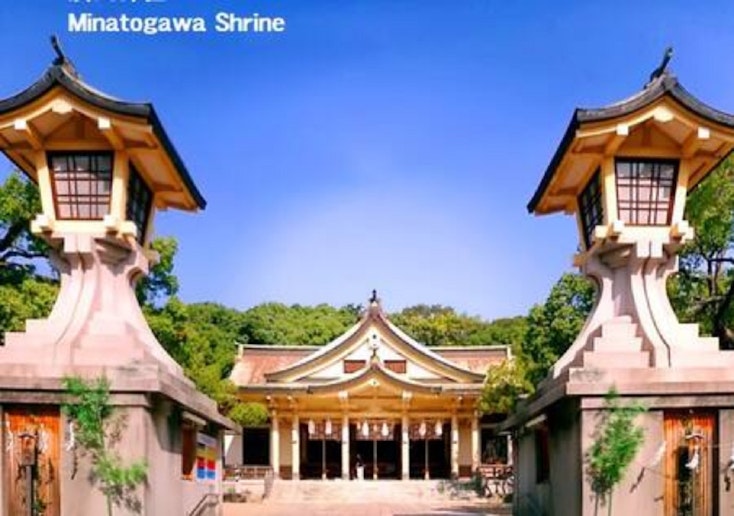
{"x":366,"y":509}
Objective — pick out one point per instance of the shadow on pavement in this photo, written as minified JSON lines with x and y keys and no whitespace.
{"x":461,"y":511}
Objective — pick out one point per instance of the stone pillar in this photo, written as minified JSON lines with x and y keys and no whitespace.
{"x":296,"y":448}
{"x":346,"y":459}
{"x":233,"y":448}
{"x":405,"y":447}
{"x":454,"y":446}
{"x":275,"y":444}
{"x":475,"y":440}
{"x":509,"y":450}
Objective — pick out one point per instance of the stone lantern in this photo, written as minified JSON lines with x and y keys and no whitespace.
{"x":625,"y":170}
{"x":103,"y":168}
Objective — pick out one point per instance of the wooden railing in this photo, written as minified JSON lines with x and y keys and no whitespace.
{"x":239,"y":472}
{"x":244,"y":472}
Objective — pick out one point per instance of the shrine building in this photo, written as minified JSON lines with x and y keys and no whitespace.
{"x":373,"y":397}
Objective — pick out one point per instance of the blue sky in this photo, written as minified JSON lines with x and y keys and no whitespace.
{"x":376,"y":144}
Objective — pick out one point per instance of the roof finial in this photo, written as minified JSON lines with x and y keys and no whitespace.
{"x":373,"y":299}
{"x":61,"y":59}
{"x":663,"y":68}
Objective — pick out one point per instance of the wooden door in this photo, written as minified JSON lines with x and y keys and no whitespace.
{"x":25,"y":427}
{"x":690,"y":478}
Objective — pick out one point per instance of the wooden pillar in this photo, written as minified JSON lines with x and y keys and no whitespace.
{"x":475,"y":439}
{"x":454,"y":446}
{"x":275,"y":444}
{"x":346,"y":460}
{"x":120,"y":178}
{"x":296,"y":448}
{"x":405,"y":447}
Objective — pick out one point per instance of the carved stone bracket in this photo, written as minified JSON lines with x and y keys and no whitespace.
{"x":96,"y":320}
{"x":632,"y":324}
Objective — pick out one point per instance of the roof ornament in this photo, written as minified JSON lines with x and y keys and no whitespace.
{"x":663,"y":68}
{"x":374,"y":299}
{"x":61,"y":59}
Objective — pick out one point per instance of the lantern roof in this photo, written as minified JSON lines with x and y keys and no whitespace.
{"x":662,"y":99}
{"x":135,"y":125}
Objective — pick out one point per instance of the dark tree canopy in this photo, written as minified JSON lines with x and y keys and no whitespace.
{"x":703,"y":290}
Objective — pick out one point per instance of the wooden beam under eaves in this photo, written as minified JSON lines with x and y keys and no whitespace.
{"x":616,"y":140}
{"x":694,"y":141}
{"x":29,"y":133}
{"x":108,"y":131}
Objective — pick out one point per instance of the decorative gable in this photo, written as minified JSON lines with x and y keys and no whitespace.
{"x":374,"y":339}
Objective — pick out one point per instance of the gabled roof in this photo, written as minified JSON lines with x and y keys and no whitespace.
{"x":373,"y":372}
{"x":665,"y":85}
{"x":58,"y":75}
{"x":351,"y":339}
{"x":255,"y":361}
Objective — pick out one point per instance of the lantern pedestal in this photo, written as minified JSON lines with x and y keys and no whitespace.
{"x":96,"y":319}
{"x":633,"y":324}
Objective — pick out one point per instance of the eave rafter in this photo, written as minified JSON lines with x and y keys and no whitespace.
{"x":105,"y":126}
{"x":31,"y":135}
{"x":613,"y":144}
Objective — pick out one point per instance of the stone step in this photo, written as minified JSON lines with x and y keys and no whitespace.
{"x":619,"y":328}
{"x":688,"y":337}
{"x":616,"y":359}
{"x":343,"y":491}
{"x":617,"y":344}
{"x":704,"y":358}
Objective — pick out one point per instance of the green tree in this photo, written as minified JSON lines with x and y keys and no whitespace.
{"x":20,"y":250}
{"x":544,"y":335}
{"x":25,"y":297}
{"x":554,"y":325}
{"x":295,"y":325}
{"x":27,"y":288}
{"x":703,"y":291}
{"x":504,"y":385}
{"x":617,"y":441}
{"x":438,"y":325}
{"x":160,"y":283}
{"x":249,"y":414}
{"x":509,"y":331}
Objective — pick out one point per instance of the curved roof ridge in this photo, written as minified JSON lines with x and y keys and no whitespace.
{"x":375,"y":312}
{"x":324,"y":350}
{"x":666,"y":84}
{"x":57,"y":75}
{"x":422,"y":348}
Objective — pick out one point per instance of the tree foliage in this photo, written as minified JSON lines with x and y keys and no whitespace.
{"x":549,"y":330}
{"x":438,"y":325}
{"x":160,"y":283}
{"x":96,"y":430}
{"x":296,"y":325}
{"x":25,"y":297}
{"x":703,"y":291}
{"x":505,"y":383}
{"x":554,"y":325}
{"x":20,"y":250}
{"x":616,"y":443}
{"x":249,"y":414}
